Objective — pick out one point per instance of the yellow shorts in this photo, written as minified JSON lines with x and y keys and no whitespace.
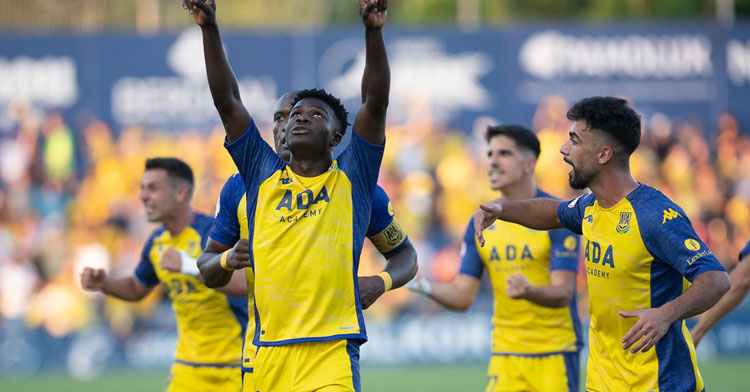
{"x":187,"y":378}
{"x":511,"y":373}
{"x":247,"y":382}
{"x":305,"y":367}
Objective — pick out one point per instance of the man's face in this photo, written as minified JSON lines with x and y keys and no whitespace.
{"x":280,"y":118}
{"x":311,"y":127}
{"x":580,"y":152}
{"x":506,"y":163}
{"x":158,"y":194}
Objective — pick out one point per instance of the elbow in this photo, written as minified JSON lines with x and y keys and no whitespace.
{"x":462,"y":306}
{"x":723,"y":283}
{"x":741,"y":285}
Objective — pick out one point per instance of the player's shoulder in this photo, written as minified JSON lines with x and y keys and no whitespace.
{"x":580,"y":202}
{"x":202,"y":222}
{"x":380,"y":196}
{"x":234,"y":183}
{"x":654,"y":209}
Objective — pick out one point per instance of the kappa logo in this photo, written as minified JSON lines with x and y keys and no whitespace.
{"x":286,"y":181}
{"x":669,"y":215}
{"x":589,"y":218}
{"x":624,"y":225}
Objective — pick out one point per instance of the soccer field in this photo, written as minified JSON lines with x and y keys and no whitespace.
{"x":720,"y":376}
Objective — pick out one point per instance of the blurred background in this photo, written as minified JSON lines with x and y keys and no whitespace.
{"x":91,"y":88}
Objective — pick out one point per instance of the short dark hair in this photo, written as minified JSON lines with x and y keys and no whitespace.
{"x":523,"y":136}
{"x":174,"y":167}
{"x":338,"y":109}
{"x":613,"y":116}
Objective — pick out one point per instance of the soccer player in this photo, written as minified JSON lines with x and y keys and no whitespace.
{"x":740,"y":278}
{"x":536,"y":335}
{"x":231,"y":227}
{"x":638,"y":247}
{"x":308,"y":217}
{"x":209,"y":324}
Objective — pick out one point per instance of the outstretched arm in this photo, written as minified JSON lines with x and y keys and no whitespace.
{"x":214,"y":274}
{"x":128,"y":288}
{"x":557,"y":294}
{"x":538,"y":214}
{"x":740,"y":281}
{"x":401,"y":268}
{"x":456,"y":295}
{"x":221,"y":79}
{"x":376,"y":81}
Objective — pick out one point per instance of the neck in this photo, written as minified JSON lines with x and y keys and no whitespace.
{"x":181,"y":218}
{"x":612,"y":185}
{"x":310,"y":167}
{"x":523,"y":189}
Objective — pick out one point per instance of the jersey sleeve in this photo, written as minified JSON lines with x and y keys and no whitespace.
{"x":563,"y":250}
{"x":571,"y":212}
{"x":471,"y":263}
{"x":672,"y":240}
{"x":144,"y":271}
{"x":745,"y":251}
{"x":384,"y":230}
{"x":253,"y":157}
{"x":226,"y":228}
{"x":361,"y":160}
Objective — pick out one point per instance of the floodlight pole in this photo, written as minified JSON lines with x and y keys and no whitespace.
{"x":725,"y":12}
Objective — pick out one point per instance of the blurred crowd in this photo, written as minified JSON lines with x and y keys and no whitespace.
{"x":69,"y":198}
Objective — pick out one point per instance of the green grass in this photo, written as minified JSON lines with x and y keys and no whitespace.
{"x":720,"y":376}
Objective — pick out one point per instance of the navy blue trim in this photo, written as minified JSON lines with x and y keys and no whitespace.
{"x":238,"y":305}
{"x":213,"y":365}
{"x":202,"y":224}
{"x":352,"y":348}
{"x":537,"y":355}
{"x":572,"y":370}
{"x":573,"y":307}
{"x":395,"y":250}
{"x":360,"y":337}
{"x":247,"y":369}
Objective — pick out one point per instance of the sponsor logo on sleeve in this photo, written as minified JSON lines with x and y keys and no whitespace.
{"x":669,"y":215}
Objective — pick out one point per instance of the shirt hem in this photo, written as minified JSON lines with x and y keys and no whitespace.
{"x":535,"y":355}
{"x":358,"y":336}
{"x":208,"y":364}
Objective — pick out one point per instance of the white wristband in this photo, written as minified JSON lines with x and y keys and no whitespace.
{"x":420,"y":285}
{"x":189,"y":264}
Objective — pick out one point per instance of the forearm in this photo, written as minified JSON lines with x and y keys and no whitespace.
{"x":214,"y":275}
{"x":402,"y":266}
{"x":237,"y":286}
{"x":377,"y":75}
{"x":706,"y":290}
{"x":549,"y":296}
{"x":448,"y":295}
{"x":538,"y":213}
{"x":124,"y":288}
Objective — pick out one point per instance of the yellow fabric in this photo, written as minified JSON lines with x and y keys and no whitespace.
{"x":207,"y":329}
{"x":390,"y":238}
{"x":304,"y":367}
{"x":521,"y":326}
{"x":303,"y":247}
{"x":527,"y":374}
{"x":248,"y":352}
{"x":185,"y":378}
{"x":247,"y":380}
{"x":618,"y":269}
{"x":387,"y":280}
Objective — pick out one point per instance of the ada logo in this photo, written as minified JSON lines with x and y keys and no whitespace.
{"x":624,"y":224}
{"x":692,"y":244}
{"x":669,"y":215}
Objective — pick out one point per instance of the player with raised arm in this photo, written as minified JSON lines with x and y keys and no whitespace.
{"x":740,"y":278}
{"x":536,"y":331}
{"x":307,"y":218}
{"x":209,"y":324}
{"x":231,"y":227}
{"x":639,"y":246}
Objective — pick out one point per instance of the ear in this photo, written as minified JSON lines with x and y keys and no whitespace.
{"x":529,"y":163}
{"x":336,"y":139}
{"x":182,"y":192}
{"x":605,"y":155}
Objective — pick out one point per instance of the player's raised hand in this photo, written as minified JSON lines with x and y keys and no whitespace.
{"x":171,"y":260}
{"x":239,"y":256}
{"x":93,"y":279}
{"x":485,"y":217}
{"x":202,"y":11}
{"x":373,"y":12}
{"x":517,"y":286}
{"x":651,"y":326}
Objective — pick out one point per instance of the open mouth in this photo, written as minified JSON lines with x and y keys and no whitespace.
{"x":300,"y":130}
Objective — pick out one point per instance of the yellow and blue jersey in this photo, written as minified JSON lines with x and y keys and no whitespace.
{"x":306,"y":236}
{"x":210,"y":325}
{"x":231,"y":225}
{"x":523,"y":327}
{"x":638,"y":254}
